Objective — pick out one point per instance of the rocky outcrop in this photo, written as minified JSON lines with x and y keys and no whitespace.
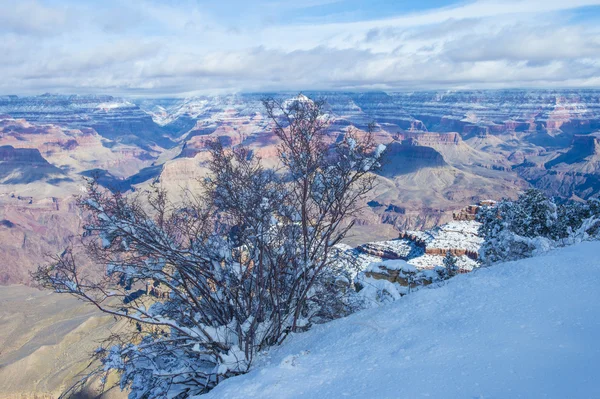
{"x":453,"y":251}
{"x":432,"y":250}
{"x":21,"y":155}
{"x":469,"y":212}
{"x":582,"y":147}
{"x":460,"y":238}
{"x":405,"y":278}
{"x":395,"y":249}
{"x":25,"y":165}
{"x":408,"y":156}
{"x":430,"y":139}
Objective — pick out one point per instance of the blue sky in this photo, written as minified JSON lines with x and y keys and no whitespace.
{"x":179,"y":48}
{"x":323,"y":10}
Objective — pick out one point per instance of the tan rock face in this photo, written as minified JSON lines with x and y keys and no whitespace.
{"x":432,"y":250}
{"x":453,"y":251}
{"x":30,"y":231}
{"x":394,"y":276}
{"x":74,"y":150}
{"x":45,"y":341}
{"x":470,"y":211}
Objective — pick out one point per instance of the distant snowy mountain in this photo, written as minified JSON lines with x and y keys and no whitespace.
{"x":465,"y":112}
{"x":113,"y":118}
{"x":525,"y":329}
{"x":166,"y":111}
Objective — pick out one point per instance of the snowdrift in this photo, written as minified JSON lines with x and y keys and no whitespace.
{"x":524,"y":329}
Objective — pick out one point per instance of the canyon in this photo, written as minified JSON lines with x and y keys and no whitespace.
{"x":445,"y":150}
{"x":446,"y":154}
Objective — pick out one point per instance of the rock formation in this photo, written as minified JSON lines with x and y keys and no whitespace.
{"x":445,"y":150}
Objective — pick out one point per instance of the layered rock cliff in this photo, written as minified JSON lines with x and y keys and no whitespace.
{"x":113,"y":118}
{"x":446,"y":150}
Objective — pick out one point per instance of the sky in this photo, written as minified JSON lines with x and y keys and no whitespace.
{"x":180,"y":48}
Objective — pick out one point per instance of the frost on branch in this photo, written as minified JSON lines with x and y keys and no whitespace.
{"x":210,"y":282}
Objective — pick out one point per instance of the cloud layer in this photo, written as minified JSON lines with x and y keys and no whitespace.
{"x":182,"y":48}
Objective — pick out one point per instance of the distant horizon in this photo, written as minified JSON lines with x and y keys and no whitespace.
{"x":293,"y":92}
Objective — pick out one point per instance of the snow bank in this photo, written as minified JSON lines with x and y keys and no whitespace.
{"x":395,"y":264}
{"x":522,"y":329}
{"x":456,"y":234}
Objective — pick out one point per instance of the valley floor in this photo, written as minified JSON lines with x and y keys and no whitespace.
{"x":46,"y":340}
{"x":526,"y":329}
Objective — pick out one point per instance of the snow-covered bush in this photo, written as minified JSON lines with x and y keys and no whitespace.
{"x":211,"y":282}
{"x":389,"y":280}
{"x":534,"y":224}
{"x":533,"y":215}
{"x":570,"y":216}
{"x":517,"y":229}
{"x":578,"y":221}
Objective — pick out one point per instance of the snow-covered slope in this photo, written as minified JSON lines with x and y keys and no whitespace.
{"x":526,"y":329}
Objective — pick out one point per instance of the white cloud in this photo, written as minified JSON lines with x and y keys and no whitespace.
{"x":29,"y":17}
{"x":164,"y":49}
{"x":521,"y":43}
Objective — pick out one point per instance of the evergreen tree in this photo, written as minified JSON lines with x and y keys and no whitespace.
{"x":450,"y":264}
{"x":572,"y":215}
{"x":514,"y":229}
{"x":533,"y":214}
{"x":495,"y":221}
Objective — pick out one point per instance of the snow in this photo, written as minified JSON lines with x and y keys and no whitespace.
{"x":524,"y":329}
{"x":395,"y":264}
{"x":113,"y":105}
{"x":456,"y":234}
{"x":452,"y":235}
{"x":427,"y":261}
